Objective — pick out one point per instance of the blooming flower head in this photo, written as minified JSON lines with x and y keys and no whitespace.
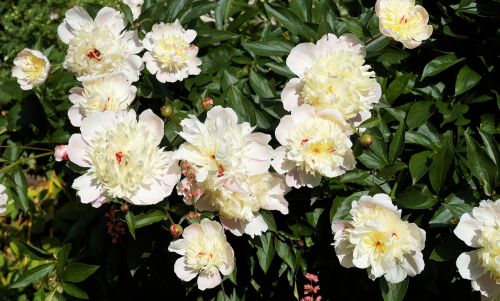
{"x":239,"y":206}
{"x":221,"y":149}
{"x":170,"y":54}
{"x":135,"y":7}
{"x":3,"y":199}
{"x":403,"y":21}
{"x":100,"y":46}
{"x":313,"y":145}
{"x":480,"y":229}
{"x":108,"y":93}
{"x":377,"y":239}
{"x":31,"y":68}
{"x":123,"y":158}
{"x":332,"y":74}
{"x":205,"y":252}
{"x":61,"y":153}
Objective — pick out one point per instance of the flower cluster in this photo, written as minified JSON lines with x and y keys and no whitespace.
{"x":480,"y":229}
{"x":229,"y":170}
{"x":3,"y":199}
{"x":225,"y":163}
{"x":377,"y":239}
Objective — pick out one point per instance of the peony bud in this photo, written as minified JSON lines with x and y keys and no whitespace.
{"x":366,"y":140}
{"x":208,"y":103}
{"x":166,"y":111}
{"x":61,"y":153}
{"x":176,"y":230}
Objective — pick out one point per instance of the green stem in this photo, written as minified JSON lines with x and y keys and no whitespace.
{"x":169,"y":217}
{"x":379,"y":37}
{"x":21,"y":161}
{"x":26,"y":147}
{"x":395,"y":187}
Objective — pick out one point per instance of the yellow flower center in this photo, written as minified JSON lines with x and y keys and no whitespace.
{"x":171,"y":52}
{"x":340,"y":81}
{"x":34,"y":67}
{"x":489,"y":255}
{"x":379,"y":242}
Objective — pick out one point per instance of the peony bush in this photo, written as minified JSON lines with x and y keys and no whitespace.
{"x":263,"y":150}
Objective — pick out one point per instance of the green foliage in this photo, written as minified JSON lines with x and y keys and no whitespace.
{"x":434,"y":150}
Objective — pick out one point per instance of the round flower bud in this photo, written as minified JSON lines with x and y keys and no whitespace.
{"x":366,"y":140}
{"x":166,"y":111}
{"x":208,"y":103}
{"x":176,"y":230}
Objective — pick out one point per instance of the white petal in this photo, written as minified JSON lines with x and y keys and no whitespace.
{"x":234,"y":226}
{"x":182,"y":271}
{"x":284,"y":128}
{"x":189,"y":35}
{"x":290,"y":95}
{"x":414,"y":264}
{"x":154,"y":123}
{"x":395,"y":274}
{"x":150,"y":195}
{"x":209,"y":279}
{"x":178,"y":246}
{"x":110,"y":18}
{"x":192,"y":231}
{"x":96,"y":123}
{"x":88,"y":190}
{"x":256,"y":226}
{"x":77,"y":151}
{"x":75,"y":117}
{"x":301,"y":57}
{"x":468,"y":230}
{"x":469,"y":266}
{"x":224,"y":113}
{"x":280,"y":164}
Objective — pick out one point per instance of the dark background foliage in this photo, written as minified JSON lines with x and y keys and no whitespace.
{"x":434,"y":152}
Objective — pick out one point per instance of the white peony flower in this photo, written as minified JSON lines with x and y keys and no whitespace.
{"x":205,"y":252}
{"x":227,"y":171}
{"x":481,"y":230}
{"x":61,"y":153}
{"x":377,"y":239}
{"x":313,"y":145}
{"x":108,"y":93}
{"x":332,"y":75}
{"x":223,"y":150}
{"x":31,"y":68}
{"x":170,"y":54}
{"x":403,"y":21}
{"x":135,"y":6}
{"x":239,"y":206}
{"x":123,"y":158}
{"x":100,"y":46}
{"x":3,"y":199}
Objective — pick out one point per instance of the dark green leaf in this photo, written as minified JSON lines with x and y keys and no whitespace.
{"x":268,"y":48}
{"x":396,"y":146}
{"x":419,"y":165}
{"x":265,"y":251}
{"x":440,"y":64}
{"x":466,"y":80}
{"x":33,"y":275}
{"x":74,"y":291}
{"x":148,"y":218}
{"x":416,"y":197}
{"x":78,"y":272}
{"x":440,"y":166}
{"x":130,"y":218}
{"x":393,"y":291}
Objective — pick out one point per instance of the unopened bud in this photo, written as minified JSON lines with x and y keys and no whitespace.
{"x":61,"y":153}
{"x":366,"y":140}
{"x":124,"y":207}
{"x":208,"y":103}
{"x":166,"y":111}
{"x":192,"y":215}
{"x":176,"y":230}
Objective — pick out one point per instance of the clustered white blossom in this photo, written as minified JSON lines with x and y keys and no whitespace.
{"x":378,"y":240}
{"x":225,"y":163}
{"x":480,"y":230}
{"x":3,"y":199}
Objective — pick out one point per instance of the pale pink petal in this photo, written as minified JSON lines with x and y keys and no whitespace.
{"x":224,"y":113}
{"x":88,"y":191}
{"x":75,"y":117}
{"x":178,"y":246}
{"x":154,"y":123}
{"x":301,"y":57}
{"x":184,"y":272}
{"x":209,"y":279}
{"x":110,"y":18}
{"x":77,"y":151}
{"x":189,"y":35}
{"x":290,"y":96}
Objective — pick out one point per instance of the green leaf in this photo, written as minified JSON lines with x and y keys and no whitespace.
{"x":416,"y":197}
{"x":447,"y":250}
{"x":481,"y":165}
{"x":490,"y":146}
{"x":221,"y":11}
{"x":269,"y":218}
{"x":130,"y":218}
{"x":397,"y":87}
{"x":33,"y":275}
{"x":440,"y":166}
{"x":21,"y":188}
{"x":419,"y":113}
{"x":74,"y":291}
{"x":62,"y":256}
{"x":440,"y":64}
{"x":284,"y":251}
{"x":393,"y":291}
{"x":241,"y":105}
{"x":78,"y":272}
{"x":396,"y":146}
{"x":148,"y":218}
{"x":466,"y":80}
{"x":419,"y":165}
{"x":31,"y":251}
{"x":453,"y":207}
{"x":285,"y":17}
{"x":268,"y":48}
{"x":261,"y":85}
{"x":265,"y":251}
